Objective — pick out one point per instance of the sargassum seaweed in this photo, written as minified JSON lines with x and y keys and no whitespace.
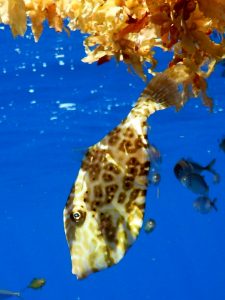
{"x":130,"y":29}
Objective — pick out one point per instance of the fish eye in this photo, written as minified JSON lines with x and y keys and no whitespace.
{"x":78,"y":216}
{"x":184,"y":179}
{"x":156,"y":177}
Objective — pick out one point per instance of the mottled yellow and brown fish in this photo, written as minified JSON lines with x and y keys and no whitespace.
{"x":105,"y":208}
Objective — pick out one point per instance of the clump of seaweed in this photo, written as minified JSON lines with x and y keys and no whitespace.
{"x":130,"y":29}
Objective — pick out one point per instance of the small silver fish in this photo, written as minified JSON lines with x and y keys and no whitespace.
{"x":184,"y":167}
{"x":204,"y":205}
{"x":6,"y":294}
{"x":195,"y":183}
{"x":150,"y":225}
{"x":154,"y":178}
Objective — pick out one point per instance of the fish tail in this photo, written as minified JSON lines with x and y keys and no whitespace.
{"x":210,"y":165}
{"x":160,"y":93}
{"x":209,"y":168}
{"x":163,"y":90}
{"x":213,"y":203}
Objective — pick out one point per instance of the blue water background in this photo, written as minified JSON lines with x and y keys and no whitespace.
{"x":52,"y":107}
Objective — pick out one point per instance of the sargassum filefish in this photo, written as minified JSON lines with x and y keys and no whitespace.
{"x":104,"y":211}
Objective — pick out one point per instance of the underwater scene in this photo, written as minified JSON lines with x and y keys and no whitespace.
{"x":53,"y":107}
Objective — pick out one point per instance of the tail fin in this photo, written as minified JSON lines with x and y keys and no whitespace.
{"x":210,"y":165}
{"x":213,"y":204}
{"x":163,"y":90}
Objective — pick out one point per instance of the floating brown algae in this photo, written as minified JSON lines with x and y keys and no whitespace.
{"x":129,"y":29}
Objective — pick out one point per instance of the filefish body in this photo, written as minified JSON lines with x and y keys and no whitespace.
{"x":204,"y":205}
{"x":196,"y":183}
{"x":104,"y":211}
{"x":105,"y":208}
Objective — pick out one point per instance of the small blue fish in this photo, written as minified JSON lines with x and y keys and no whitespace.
{"x":195,"y":183}
{"x":184,"y":167}
{"x":204,"y":205}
